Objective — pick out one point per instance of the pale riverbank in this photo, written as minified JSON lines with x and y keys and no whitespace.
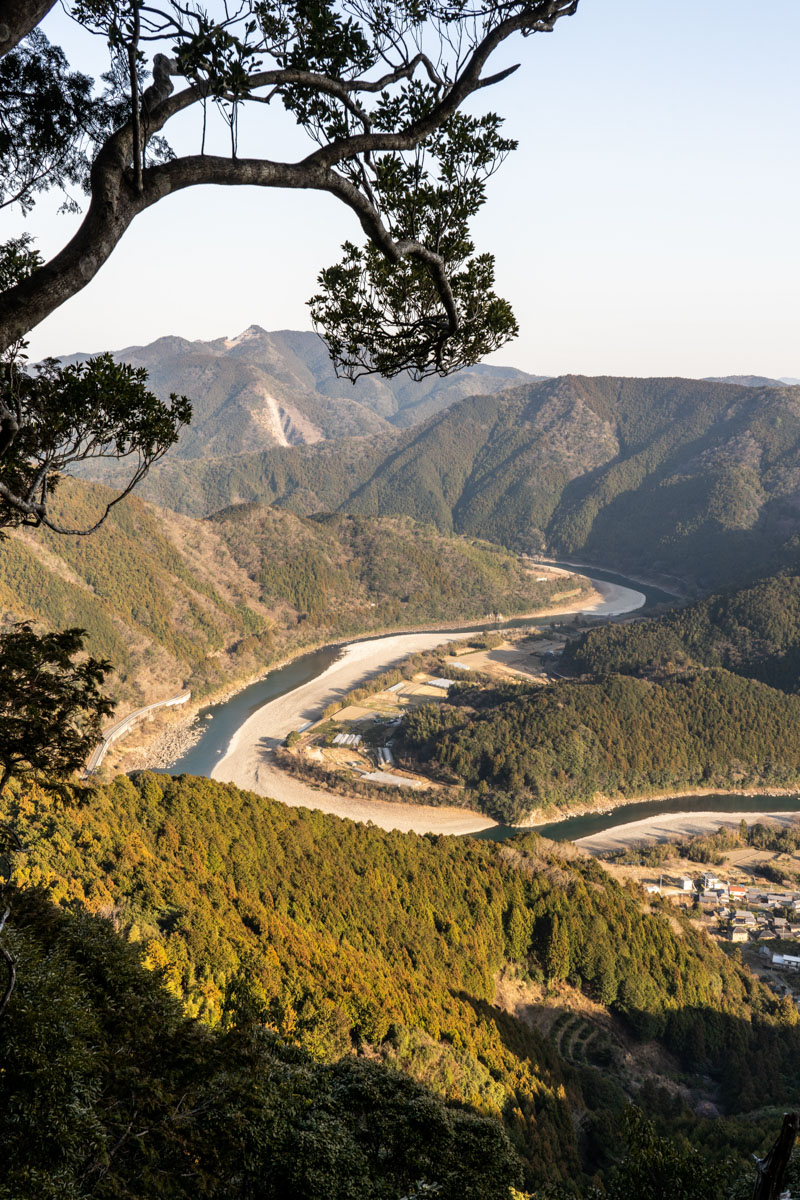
{"x":246,"y":761}
{"x":160,"y":748}
{"x":668,"y":827}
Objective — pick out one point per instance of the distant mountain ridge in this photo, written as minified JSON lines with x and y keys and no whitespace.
{"x":686,"y":477}
{"x":698,"y":479}
{"x":261,"y":389}
{"x":689,"y":478}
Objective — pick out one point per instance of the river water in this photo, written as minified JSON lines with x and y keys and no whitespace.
{"x":222,"y":720}
{"x":573,"y":828}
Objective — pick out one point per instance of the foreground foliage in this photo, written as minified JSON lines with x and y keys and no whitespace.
{"x":109,"y":1092}
{"x":51,"y":705}
{"x":347,"y":940}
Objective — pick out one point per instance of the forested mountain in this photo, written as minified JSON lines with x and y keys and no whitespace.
{"x":689,"y":478}
{"x":754,"y":631}
{"x":345,"y":940}
{"x":750,"y":380}
{"x":522,"y":748}
{"x":264,"y":389}
{"x":175,"y":602}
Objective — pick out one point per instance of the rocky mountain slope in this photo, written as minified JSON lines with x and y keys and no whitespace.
{"x":264,"y":389}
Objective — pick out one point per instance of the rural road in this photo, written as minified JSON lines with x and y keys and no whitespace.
{"x":114,"y":732}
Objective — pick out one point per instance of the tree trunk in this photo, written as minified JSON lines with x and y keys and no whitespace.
{"x":18,"y":18}
{"x":771,"y":1170}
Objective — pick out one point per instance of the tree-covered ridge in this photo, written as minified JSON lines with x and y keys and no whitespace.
{"x":346,"y":939}
{"x":110,"y":1091}
{"x":754,"y":631}
{"x":617,"y":736}
{"x":306,"y":479}
{"x":174,"y":602}
{"x":690,"y":478}
{"x":348,"y":574}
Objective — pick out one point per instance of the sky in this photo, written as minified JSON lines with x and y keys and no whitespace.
{"x":647,"y":224}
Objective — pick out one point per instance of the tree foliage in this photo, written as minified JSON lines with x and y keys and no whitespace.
{"x":345,"y":939}
{"x":57,"y":417}
{"x":48,"y":119}
{"x":753,"y":631}
{"x":379,"y":91}
{"x":51,"y":705}
{"x":519,"y":747}
{"x":110,"y":1091}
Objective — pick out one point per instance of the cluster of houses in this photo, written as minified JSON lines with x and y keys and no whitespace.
{"x":743,"y":923}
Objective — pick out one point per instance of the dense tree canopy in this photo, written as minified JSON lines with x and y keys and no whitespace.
{"x":517,"y":747}
{"x":347,"y":940}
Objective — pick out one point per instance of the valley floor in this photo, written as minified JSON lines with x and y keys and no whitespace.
{"x":247,"y":760}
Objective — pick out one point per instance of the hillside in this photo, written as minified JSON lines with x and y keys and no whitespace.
{"x":752,"y":631}
{"x":260,"y":390}
{"x":522,"y":748}
{"x":110,"y":1091}
{"x":176,"y":602}
{"x":403,"y":951}
{"x":693,"y":479}
{"x":305,"y":479}
{"x":687,"y":478}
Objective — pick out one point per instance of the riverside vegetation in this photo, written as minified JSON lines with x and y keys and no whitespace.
{"x":702,"y":697}
{"x":174,"y":602}
{"x":334,"y":971}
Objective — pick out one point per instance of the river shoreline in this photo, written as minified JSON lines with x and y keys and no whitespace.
{"x":659,"y":583}
{"x":170,"y":745}
{"x":541,"y":817}
{"x":674,"y":826}
{"x":245,"y":761}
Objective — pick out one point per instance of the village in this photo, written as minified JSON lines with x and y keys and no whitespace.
{"x":762,"y":922}
{"x":355,"y":740}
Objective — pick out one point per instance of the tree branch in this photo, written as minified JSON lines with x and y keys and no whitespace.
{"x":771,"y":1170}
{"x":116,"y":199}
{"x":11,"y":967}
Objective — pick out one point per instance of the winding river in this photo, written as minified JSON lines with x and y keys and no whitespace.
{"x":240,"y":732}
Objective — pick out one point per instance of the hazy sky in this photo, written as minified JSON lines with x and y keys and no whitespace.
{"x":647,"y":225}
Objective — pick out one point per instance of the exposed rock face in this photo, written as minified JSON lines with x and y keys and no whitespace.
{"x":260,"y":390}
